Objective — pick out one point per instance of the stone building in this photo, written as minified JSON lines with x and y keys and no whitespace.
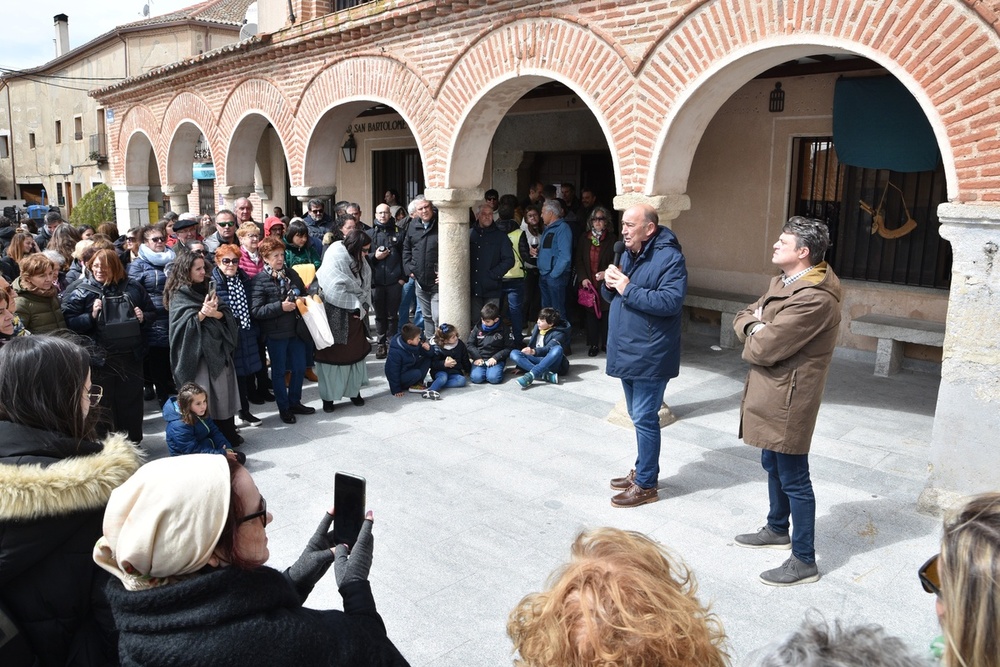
{"x":719,"y":113}
{"x":53,"y":135}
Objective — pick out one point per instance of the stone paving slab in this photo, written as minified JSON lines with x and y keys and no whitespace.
{"x":478,"y":496}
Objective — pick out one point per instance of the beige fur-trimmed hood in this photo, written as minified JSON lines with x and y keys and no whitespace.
{"x":73,"y":484}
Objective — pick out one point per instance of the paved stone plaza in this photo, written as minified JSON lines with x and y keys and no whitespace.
{"x":478,"y":496}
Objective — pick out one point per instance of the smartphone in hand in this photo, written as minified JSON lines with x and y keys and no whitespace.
{"x":349,"y":507}
{"x":211,"y":288}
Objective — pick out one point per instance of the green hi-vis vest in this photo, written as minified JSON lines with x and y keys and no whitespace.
{"x":518,"y":270}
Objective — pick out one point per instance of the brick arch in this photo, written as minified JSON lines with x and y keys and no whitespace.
{"x":336,"y":95}
{"x":139,"y":151}
{"x":509,"y":61}
{"x":247,"y":110}
{"x":187,"y":116}
{"x":943,"y":53}
{"x":138,"y":118}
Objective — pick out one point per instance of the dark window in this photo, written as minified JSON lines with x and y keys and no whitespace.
{"x":206,"y":197}
{"x":883,"y":224}
{"x":399,"y":170}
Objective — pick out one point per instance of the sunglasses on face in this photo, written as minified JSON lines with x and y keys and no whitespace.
{"x":601,"y":218}
{"x":261,"y":514}
{"x":929,"y":577}
{"x":229,"y":260}
{"x":156,"y":239}
{"x":225,"y":224}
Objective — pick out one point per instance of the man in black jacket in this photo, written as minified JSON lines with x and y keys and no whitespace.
{"x":387,"y":276}
{"x":490,"y":257}
{"x":420,"y":260}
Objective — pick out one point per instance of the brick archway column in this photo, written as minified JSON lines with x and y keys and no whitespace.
{"x":230,"y":193}
{"x":306,"y":192}
{"x":131,"y":206}
{"x":668,"y":207}
{"x":178,"y":194}
{"x":453,"y":251}
{"x":965,"y":453}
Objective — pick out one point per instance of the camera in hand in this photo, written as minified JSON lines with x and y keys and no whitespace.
{"x":293,"y":294}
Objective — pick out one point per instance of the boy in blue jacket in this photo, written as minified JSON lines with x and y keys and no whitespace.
{"x":543,"y":356}
{"x":189,"y":428}
{"x":408,"y":361}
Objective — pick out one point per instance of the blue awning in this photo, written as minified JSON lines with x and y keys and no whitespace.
{"x":877,"y":124}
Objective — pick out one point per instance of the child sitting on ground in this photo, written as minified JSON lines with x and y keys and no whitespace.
{"x":543,"y":357}
{"x":450,"y":364}
{"x":189,"y":428}
{"x":408,"y":361}
{"x":490,"y":343}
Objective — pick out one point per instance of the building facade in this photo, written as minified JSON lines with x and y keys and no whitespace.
{"x":672,"y":104}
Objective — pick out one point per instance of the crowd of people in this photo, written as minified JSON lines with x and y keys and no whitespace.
{"x":193,"y":312}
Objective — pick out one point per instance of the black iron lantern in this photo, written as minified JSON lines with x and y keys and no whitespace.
{"x":350,"y":148}
{"x":777,"y":102}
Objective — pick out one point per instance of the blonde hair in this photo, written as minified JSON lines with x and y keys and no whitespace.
{"x":970,"y":583}
{"x":621,"y":600}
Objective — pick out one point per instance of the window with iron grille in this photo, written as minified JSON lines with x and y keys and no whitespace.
{"x":883,"y":224}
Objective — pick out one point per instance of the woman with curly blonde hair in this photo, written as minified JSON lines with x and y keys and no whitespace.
{"x":966,"y":578}
{"x":622,"y":600}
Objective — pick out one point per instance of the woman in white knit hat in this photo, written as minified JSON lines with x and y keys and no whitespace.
{"x":187,"y":538}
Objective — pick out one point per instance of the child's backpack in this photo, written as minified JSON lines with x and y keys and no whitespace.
{"x":118,"y":329}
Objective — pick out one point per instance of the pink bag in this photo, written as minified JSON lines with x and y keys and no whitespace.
{"x":588,"y":297}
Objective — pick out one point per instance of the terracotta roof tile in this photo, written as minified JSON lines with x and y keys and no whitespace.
{"x":229,"y":12}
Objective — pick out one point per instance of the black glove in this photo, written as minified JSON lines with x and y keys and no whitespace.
{"x":314,"y":561}
{"x":356,"y":568}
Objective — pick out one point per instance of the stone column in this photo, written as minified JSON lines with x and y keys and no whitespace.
{"x":306,"y":192}
{"x":178,"y":194}
{"x":453,"y":251}
{"x":230,"y":193}
{"x":965,"y":452}
{"x":131,"y":206}
{"x":668,"y":207}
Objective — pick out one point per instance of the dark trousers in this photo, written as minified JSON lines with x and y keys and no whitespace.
{"x":159,"y":373}
{"x":121,"y":406}
{"x":386,"y":300}
{"x":597,"y":327}
{"x":790,"y":492}
{"x":532,"y":296}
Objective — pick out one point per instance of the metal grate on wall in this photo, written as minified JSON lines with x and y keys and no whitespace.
{"x":883,"y":224}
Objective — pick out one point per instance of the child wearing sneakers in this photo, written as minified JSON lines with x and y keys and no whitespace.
{"x":450,"y":364}
{"x":408,"y":361}
{"x":543,"y":357}
{"x":490,"y":343}
{"x":189,"y":428}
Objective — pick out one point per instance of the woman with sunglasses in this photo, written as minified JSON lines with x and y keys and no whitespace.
{"x":187,"y":537}
{"x":55,"y":479}
{"x":149,"y":269}
{"x":594,"y":252}
{"x":965,"y":576}
{"x":233,"y":288}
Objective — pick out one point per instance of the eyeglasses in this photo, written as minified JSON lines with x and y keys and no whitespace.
{"x":225,"y":224}
{"x":95,"y":393}
{"x":929,"y":577}
{"x":315,"y":210}
{"x":229,"y":260}
{"x":261,"y":513}
{"x":155,"y":239}
{"x":599,"y":217}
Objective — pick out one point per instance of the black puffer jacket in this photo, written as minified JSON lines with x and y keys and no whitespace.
{"x":420,"y":253}
{"x":153,"y":278}
{"x":78,"y":302}
{"x":266,"y":295}
{"x":491,"y":256}
{"x":52,"y":498}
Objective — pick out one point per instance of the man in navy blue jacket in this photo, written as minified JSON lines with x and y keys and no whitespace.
{"x":555,"y":256}
{"x":647,"y":300}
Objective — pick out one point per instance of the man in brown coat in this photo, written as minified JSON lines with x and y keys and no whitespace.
{"x":788,"y":338}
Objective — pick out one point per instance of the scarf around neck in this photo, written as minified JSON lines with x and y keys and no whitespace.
{"x":156,"y":258}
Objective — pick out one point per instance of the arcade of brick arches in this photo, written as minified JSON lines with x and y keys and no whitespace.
{"x":652,"y":73}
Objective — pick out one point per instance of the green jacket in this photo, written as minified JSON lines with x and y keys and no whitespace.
{"x":39,"y":314}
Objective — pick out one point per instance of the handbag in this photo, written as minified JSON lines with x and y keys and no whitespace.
{"x":313,"y":314}
{"x":587,"y":297}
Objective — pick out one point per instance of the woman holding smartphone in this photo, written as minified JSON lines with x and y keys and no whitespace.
{"x":203,"y":335}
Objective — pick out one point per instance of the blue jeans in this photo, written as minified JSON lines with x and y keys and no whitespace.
{"x":484,"y":373}
{"x":414,"y":376}
{"x":791,"y":495}
{"x":287,"y":354}
{"x":407,"y":300}
{"x":643,"y":399}
{"x":538,"y":366}
{"x":446,"y":380}
{"x":554,"y":292}
{"x":513,"y":290}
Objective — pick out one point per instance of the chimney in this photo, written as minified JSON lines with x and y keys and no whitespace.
{"x":62,"y":33}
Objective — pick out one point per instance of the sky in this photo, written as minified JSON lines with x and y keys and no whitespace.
{"x":28,"y":36}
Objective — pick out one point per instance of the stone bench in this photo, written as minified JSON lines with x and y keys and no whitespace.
{"x":727,"y":304}
{"x":892,"y":332}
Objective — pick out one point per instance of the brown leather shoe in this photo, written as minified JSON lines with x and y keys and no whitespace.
{"x":622,"y":483}
{"x":311,"y":375}
{"x":634,"y":496}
